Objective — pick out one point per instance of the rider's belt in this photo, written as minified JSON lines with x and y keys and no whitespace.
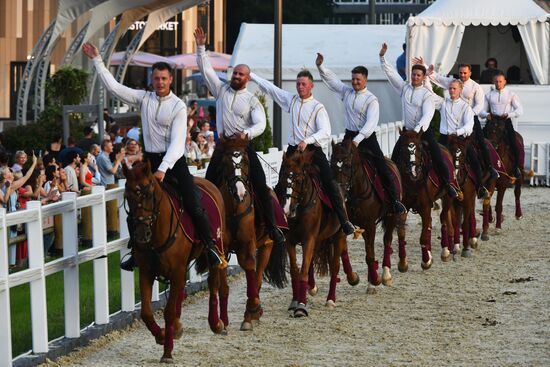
{"x":155,"y":155}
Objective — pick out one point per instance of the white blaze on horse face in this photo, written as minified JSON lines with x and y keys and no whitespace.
{"x":412,"y":158}
{"x":241,"y":190}
{"x":457,"y":160}
{"x":289,"y":196}
{"x":339,"y":164}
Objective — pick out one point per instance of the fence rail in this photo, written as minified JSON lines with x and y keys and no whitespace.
{"x":69,"y":263}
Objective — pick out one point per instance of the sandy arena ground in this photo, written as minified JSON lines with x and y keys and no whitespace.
{"x":490,"y":310}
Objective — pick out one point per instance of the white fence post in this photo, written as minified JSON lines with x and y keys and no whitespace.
{"x":127,"y":294}
{"x":39,"y":314}
{"x":101,"y":279}
{"x":5,"y":316}
{"x":71,"y":274}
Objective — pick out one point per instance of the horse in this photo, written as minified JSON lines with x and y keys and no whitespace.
{"x":495,"y":131}
{"x":162,"y":249}
{"x":365,"y":207}
{"x":317,"y":228}
{"x":419,"y":194}
{"x":247,"y":237}
{"x":463,"y":211}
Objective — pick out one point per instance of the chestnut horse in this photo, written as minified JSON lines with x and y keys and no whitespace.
{"x":463,"y":211}
{"x":495,"y":131}
{"x":161,"y":249}
{"x":419,"y":194}
{"x":365,"y":207}
{"x":255,"y":251}
{"x":316,"y":227}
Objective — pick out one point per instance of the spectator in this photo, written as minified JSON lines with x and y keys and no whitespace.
{"x":401,"y":63}
{"x":192,"y":150}
{"x":134,"y":132}
{"x":20,"y":160}
{"x":203,"y":147}
{"x":212,"y":121}
{"x":205,"y":127}
{"x":71,"y":147}
{"x":53,"y":182}
{"x":133,"y":151}
{"x":92,"y":166}
{"x":192,"y":117}
{"x":106,"y":168}
{"x":108,"y":120}
{"x":117,"y":149}
{"x":55,"y":147}
{"x":86,"y":142}
{"x":86,"y":176}
{"x":210,"y":143}
{"x":488,"y":74}
{"x":70,"y":169}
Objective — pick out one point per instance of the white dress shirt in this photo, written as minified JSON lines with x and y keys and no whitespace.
{"x":502,"y":102}
{"x":471,"y":91}
{"x":361,"y":108}
{"x":163,"y":119}
{"x":457,"y":117}
{"x":236,"y":111}
{"x":308,"y":117}
{"x":417,"y":102}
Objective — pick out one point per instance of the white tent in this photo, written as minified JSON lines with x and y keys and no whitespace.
{"x":437,"y":34}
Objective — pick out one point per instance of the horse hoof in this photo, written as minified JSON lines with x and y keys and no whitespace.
{"x":371,"y":289}
{"x":330,"y":304}
{"x":246,"y":326}
{"x":354,"y":279}
{"x":178,"y":333}
{"x":445,"y":254}
{"x":293,"y":305}
{"x":498,"y":231}
{"x":313,"y":291}
{"x":218,"y":328}
{"x":466,"y":252}
{"x":386,"y":277}
{"x":403,"y":265}
{"x":167,"y":360}
{"x":484,"y":237}
{"x":456,"y":248}
{"x":473,"y":243}
{"x":300,"y":311}
{"x":519,"y":217}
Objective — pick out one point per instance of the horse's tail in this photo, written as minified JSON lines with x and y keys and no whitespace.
{"x":275,"y":271}
{"x":322,"y":257}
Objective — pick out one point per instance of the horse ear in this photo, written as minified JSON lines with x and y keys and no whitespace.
{"x":400,"y":131}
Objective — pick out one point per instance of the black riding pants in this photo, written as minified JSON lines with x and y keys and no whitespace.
{"x":471,"y":157}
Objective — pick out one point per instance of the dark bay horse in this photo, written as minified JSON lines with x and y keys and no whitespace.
{"x":162,"y":249}
{"x":247,"y":237}
{"x":463,"y":211}
{"x":419,"y":194}
{"x":495,"y":131}
{"x":316,"y":227}
{"x":365,"y":208}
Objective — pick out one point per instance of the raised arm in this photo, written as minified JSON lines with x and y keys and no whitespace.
{"x":209,"y":74}
{"x":176,"y":149}
{"x":18,"y":183}
{"x":281,"y":97}
{"x":128,"y":95}
{"x":330,"y":79}
{"x":393,"y":76}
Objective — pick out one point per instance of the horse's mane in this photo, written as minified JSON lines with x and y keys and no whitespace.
{"x":232,"y":144}
{"x":304,"y":159}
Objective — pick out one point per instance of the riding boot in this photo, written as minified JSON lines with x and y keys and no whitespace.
{"x":130,"y":263}
{"x":338,"y":204}
{"x":473,"y":161}
{"x":200,"y":219}
{"x":438,"y":163}
{"x":269,"y":216}
{"x":513,"y":146}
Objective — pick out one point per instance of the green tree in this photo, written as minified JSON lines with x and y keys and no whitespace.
{"x":265,"y":141}
{"x":436,"y":120}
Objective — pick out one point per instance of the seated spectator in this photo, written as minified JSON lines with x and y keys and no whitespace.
{"x":20,"y":160}
{"x":88,"y":139}
{"x":201,"y":142}
{"x":513,"y":75}
{"x":488,"y":74}
{"x":107,"y":169}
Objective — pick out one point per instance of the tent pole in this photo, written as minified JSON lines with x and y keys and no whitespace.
{"x":277,"y":77}
{"x":372,"y":11}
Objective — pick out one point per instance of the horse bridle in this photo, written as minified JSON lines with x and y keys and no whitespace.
{"x":236,"y":159}
{"x":412,"y":168}
{"x":292,"y":194}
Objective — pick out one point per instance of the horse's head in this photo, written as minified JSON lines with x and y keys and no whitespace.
{"x":410,"y":154}
{"x":342,"y":161}
{"x":457,"y":147}
{"x":142,"y":201}
{"x":235,"y":166}
{"x":496,"y":132}
{"x":299,"y":169}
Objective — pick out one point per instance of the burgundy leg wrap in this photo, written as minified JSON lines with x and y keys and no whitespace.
{"x":251,"y":286}
{"x":181,"y":297}
{"x":473,"y":224}
{"x":311,"y":277}
{"x":444,"y":237}
{"x":519,"y":213}
{"x":154,"y":328}
{"x":457,"y":235}
{"x":223,"y":310}
{"x":429,"y":239}
{"x":302,"y":294}
{"x":169,"y":339}
{"x":491,"y":219}
{"x":499,"y":220}
{"x":373,"y":272}
{"x":346,"y":264}
{"x":402,"y":249}
{"x":388,"y":251}
{"x":425,"y":255}
{"x":213,"y":311}
{"x":295,"y":289}
{"x":486,"y":217}
{"x":332,"y":289}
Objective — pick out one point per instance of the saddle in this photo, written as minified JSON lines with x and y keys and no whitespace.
{"x":322,"y":194}
{"x":374,"y":177}
{"x":279,"y":213}
{"x":447,"y":160}
{"x":185,"y":221}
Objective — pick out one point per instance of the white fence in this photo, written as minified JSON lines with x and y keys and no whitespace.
{"x":68,"y":207}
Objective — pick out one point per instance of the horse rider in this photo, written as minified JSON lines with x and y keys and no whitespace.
{"x":239,"y":113}
{"x":457,"y":118}
{"x":309,"y":129}
{"x":473,"y":94}
{"x":418,"y":110}
{"x":164,"y":121}
{"x":502,"y":105}
{"x":362,"y":112}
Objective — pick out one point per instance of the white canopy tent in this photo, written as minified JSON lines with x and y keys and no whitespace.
{"x":343,"y":46}
{"x":437,"y":34}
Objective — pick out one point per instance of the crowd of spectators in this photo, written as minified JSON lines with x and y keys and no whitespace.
{"x":201,"y":134}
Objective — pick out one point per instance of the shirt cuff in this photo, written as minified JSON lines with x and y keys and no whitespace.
{"x":309,"y":140}
{"x":163,"y":167}
{"x":248,"y":133}
{"x":460,"y":132}
{"x":201,"y":49}
{"x":359,"y":138}
{"x":418,"y":128}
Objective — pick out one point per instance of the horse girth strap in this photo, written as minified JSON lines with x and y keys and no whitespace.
{"x":172,"y":237}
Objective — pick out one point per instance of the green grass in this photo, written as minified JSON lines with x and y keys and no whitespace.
{"x":20,"y":303}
